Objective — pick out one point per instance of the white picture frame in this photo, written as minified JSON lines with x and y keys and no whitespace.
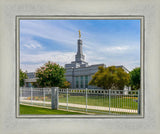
{"x":149,"y":121}
{"x":82,"y":17}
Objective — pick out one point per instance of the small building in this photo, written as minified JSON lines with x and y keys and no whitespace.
{"x":31,"y":79}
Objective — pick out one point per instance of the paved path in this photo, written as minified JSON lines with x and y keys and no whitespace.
{"x":88,"y":106}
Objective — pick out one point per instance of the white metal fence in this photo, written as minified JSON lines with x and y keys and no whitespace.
{"x":91,"y":101}
{"x":100,"y":101}
{"x":36,"y":96}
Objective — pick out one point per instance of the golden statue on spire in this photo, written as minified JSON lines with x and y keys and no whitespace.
{"x":79,"y":34}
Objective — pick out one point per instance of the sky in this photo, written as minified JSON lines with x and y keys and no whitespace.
{"x":111,"y":42}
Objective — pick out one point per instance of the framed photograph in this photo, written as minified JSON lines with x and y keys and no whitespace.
{"x":73,"y":67}
{"x":113,"y":44}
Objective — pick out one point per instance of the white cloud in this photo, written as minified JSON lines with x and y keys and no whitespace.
{"x":30,"y":67}
{"x":26,"y":42}
{"x":32,"y":61}
{"x":114,"y":55}
{"x":106,"y":55}
{"x":32,"y":45}
{"x":55,"y":56}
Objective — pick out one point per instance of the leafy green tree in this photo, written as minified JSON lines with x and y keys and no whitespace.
{"x":66,"y":84}
{"x":135,"y":78}
{"x":50,"y":75}
{"x":22,"y":76}
{"x":110,"y":78}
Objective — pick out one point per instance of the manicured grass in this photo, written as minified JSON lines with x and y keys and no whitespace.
{"x":36,"y":110}
{"x":115,"y":101}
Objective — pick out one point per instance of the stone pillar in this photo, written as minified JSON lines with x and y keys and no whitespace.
{"x":25,"y":83}
{"x":79,"y":81}
{"x":54,"y":98}
{"x":89,"y":79}
{"x":72,"y":77}
{"x":74,"y":84}
{"x":84,"y":78}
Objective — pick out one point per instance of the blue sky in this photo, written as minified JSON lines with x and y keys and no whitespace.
{"x":112,"y":42}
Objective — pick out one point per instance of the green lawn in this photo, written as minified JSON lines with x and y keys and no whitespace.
{"x":115,"y":101}
{"x":36,"y":110}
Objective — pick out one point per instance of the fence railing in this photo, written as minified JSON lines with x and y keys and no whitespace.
{"x":99,"y":101}
{"x":91,"y":101}
{"x":36,"y":96}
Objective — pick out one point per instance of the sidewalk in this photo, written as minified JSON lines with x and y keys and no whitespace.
{"x":88,"y":106}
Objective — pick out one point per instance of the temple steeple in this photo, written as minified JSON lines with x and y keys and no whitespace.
{"x":79,"y":58}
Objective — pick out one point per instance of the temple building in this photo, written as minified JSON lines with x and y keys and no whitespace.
{"x":78,"y":72}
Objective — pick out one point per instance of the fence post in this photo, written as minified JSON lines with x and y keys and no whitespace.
{"x":86,"y":100}
{"x":67,"y":99}
{"x":54,"y":97}
{"x":109,"y":99}
{"x":20,"y":91}
{"x":139,"y":102}
{"x":44,"y":97}
{"x":31,"y":96}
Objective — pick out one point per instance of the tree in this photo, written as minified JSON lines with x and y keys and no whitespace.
{"x":50,"y":75}
{"x":110,"y":78}
{"x":135,"y":78}
{"x":22,"y":76}
{"x":66,"y":84}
